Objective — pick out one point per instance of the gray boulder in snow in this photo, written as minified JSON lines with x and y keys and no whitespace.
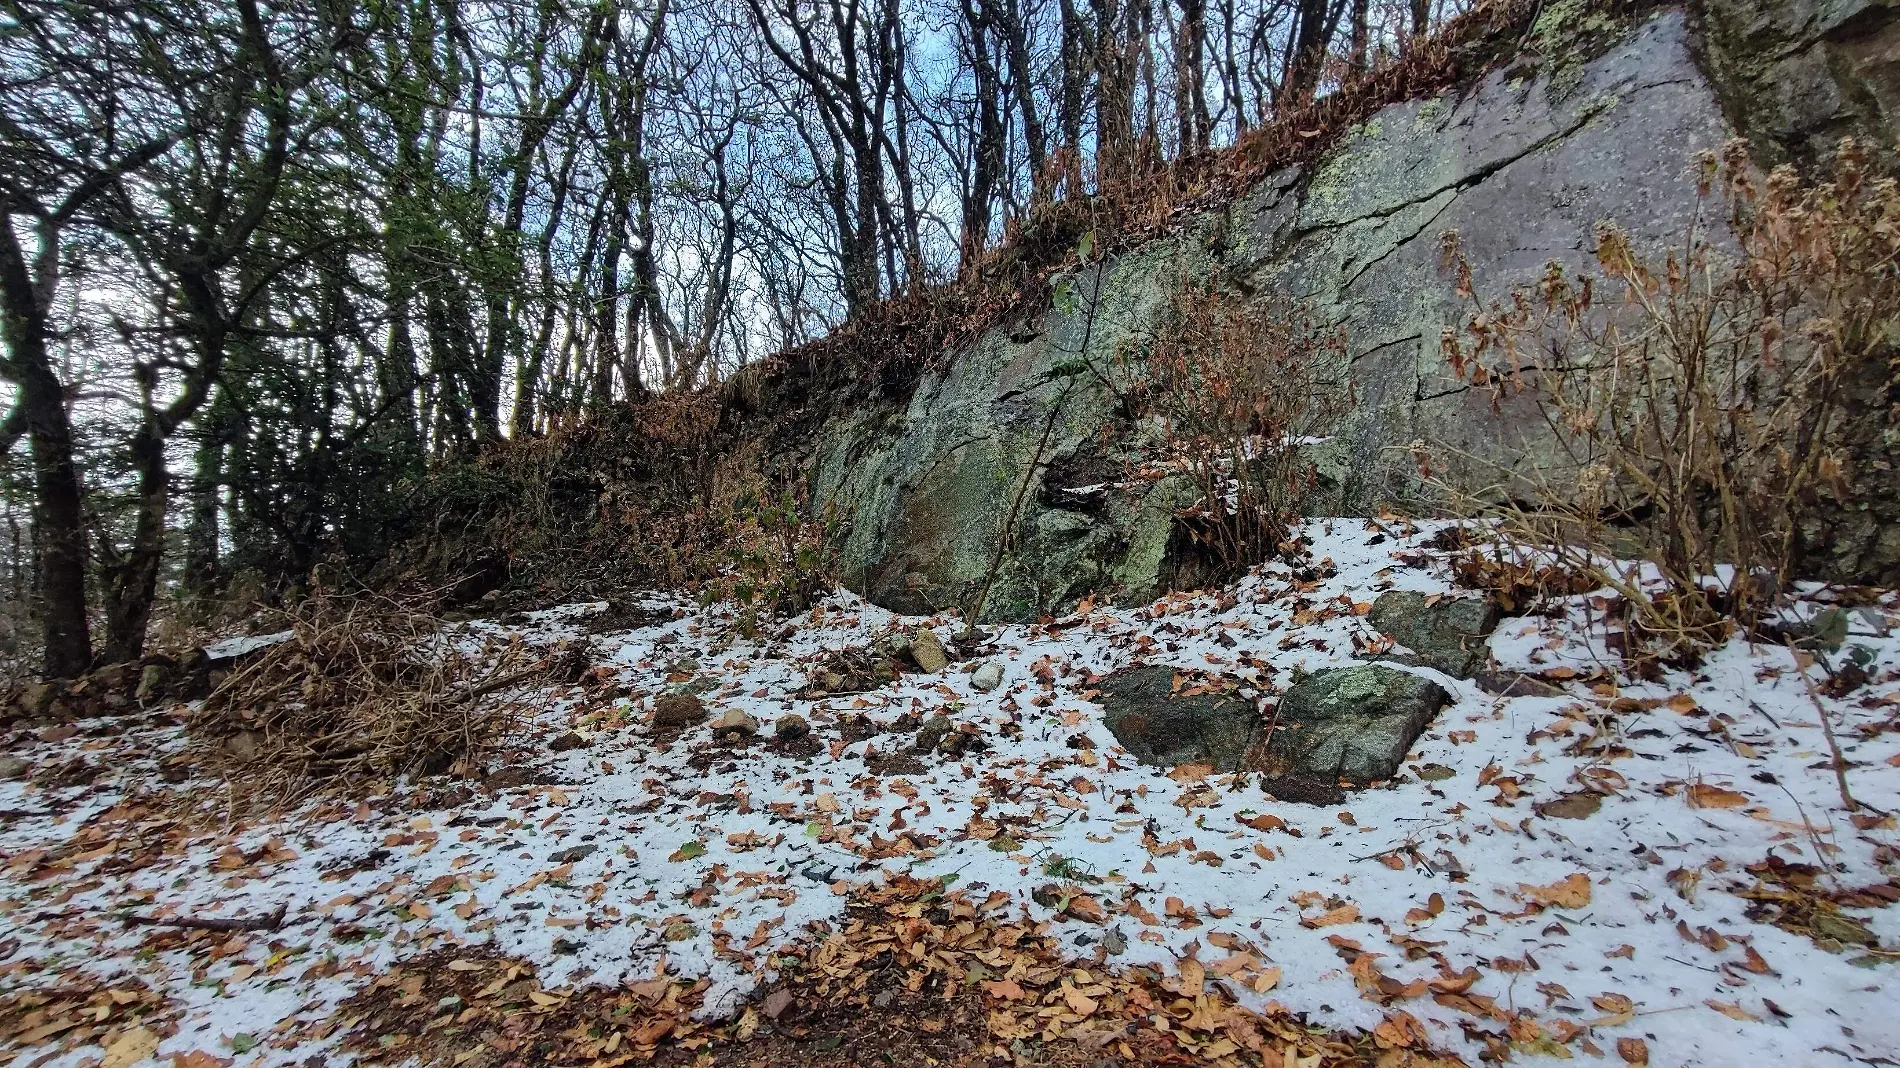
{"x":1354,"y":723}
{"x":1449,"y":633}
{"x":1161,"y":727}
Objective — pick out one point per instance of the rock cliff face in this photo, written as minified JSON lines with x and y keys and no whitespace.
{"x":1523,"y":165}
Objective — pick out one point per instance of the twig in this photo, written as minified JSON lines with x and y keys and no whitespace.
{"x":270,"y":921}
{"x":1827,"y":728}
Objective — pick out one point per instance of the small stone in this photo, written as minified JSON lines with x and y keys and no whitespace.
{"x":509,"y":778}
{"x":677,"y":711}
{"x":12,"y":767}
{"x":152,"y":682}
{"x":37,"y":698}
{"x":776,"y":1003}
{"x":571,"y":854}
{"x":1114,"y":942}
{"x":933,"y":732}
{"x":243,"y":745}
{"x":678,"y":931}
{"x":988,"y":676}
{"x":791,"y":727}
{"x":927,"y":649}
{"x":734,"y":721}
{"x":565,"y":742}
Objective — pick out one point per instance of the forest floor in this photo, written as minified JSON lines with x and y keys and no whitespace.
{"x":1610,"y":868}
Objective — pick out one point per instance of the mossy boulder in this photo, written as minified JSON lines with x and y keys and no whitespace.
{"x":1448,"y":633}
{"x":1214,"y":726}
{"x":1354,"y":723}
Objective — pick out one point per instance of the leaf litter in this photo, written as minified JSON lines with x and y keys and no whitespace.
{"x":1645,"y":871}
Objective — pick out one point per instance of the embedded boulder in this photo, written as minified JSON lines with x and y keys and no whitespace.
{"x":1448,"y":633}
{"x":1354,"y":723}
{"x":677,"y":711}
{"x":1164,"y":728}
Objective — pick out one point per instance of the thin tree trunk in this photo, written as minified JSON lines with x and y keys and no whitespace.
{"x":59,"y":532}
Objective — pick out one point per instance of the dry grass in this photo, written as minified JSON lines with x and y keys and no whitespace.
{"x":365,"y":690}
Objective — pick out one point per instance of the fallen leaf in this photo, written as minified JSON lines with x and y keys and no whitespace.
{"x":1347,"y":913}
{"x":130,"y":1047}
{"x":1569,"y":893}
{"x":1702,"y":795}
{"x":1577,"y":806}
{"x":1732,"y":1010}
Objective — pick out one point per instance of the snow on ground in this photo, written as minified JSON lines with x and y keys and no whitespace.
{"x":622,"y":854}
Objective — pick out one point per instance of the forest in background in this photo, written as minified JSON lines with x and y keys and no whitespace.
{"x":266,"y":263}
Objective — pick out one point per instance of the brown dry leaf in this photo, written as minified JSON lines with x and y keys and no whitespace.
{"x":1347,"y":913}
{"x":130,"y":1047}
{"x":1401,"y":1030}
{"x":1702,"y":795}
{"x":1732,"y":1010}
{"x":1079,"y":1003}
{"x":1193,"y":978}
{"x":1085,"y":908}
{"x":198,"y":1058}
{"x":1617,"y":1010}
{"x":1633,"y":1050}
{"x":1575,"y":806}
{"x":1572,"y":892}
{"x":1007,"y":989}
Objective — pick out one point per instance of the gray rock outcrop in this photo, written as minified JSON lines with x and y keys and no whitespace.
{"x":1522,"y":164}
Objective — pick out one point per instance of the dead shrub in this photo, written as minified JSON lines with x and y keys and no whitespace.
{"x":764,"y":548}
{"x":364,"y":689}
{"x":1238,"y":388}
{"x":1700,"y":405}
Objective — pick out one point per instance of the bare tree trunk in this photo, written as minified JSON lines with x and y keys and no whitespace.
{"x":1116,"y":70}
{"x":1312,"y":32}
{"x":1361,"y":36}
{"x":132,"y":579}
{"x":1078,"y":52}
{"x":1190,"y":92}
